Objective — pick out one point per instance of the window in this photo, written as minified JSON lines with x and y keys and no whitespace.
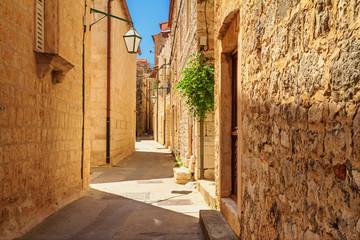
{"x":39,"y":27}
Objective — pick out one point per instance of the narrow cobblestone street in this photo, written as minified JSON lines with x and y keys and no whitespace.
{"x":137,"y":199}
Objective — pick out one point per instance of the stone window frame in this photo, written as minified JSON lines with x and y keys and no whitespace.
{"x":48,"y":60}
{"x":39,"y":25}
{"x":230,"y":42}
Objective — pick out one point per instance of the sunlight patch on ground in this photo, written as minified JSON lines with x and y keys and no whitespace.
{"x":162,"y":193}
{"x":150,"y":146}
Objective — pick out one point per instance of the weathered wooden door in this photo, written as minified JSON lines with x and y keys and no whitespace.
{"x":234,"y":126}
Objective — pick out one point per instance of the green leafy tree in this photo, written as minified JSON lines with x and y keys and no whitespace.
{"x":197,"y":88}
{"x":197,"y":85}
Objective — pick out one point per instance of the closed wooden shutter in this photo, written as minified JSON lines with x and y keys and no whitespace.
{"x":39,"y":28}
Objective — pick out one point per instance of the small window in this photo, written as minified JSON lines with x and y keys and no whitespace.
{"x":39,"y":27}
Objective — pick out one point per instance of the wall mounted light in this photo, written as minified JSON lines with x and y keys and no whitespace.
{"x":132,"y":38}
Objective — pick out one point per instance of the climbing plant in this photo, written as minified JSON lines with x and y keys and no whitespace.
{"x":197,"y":85}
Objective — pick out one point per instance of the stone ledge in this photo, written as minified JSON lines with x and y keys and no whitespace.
{"x":207,"y":190}
{"x":214,"y":226}
{"x":54,"y":64}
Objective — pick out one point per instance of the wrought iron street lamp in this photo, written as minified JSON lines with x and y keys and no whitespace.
{"x":132,"y":38}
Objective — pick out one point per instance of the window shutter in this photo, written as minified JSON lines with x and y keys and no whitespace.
{"x":39,"y":31}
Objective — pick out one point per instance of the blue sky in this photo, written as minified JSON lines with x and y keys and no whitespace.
{"x":146,"y":15}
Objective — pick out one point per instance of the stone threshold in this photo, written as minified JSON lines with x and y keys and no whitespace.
{"x":207,"y":190}
{"x":214,"y":226}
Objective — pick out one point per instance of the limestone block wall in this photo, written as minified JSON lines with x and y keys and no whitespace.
{"x":123,"y":90}
{"x":299,"y":118}
{"x":191,"y":27}
{"x":185,"y":44}
{"x":143,"y":100}
{"x":160,"y":132}
{"x":209,"y":138}
{"x":164,"y":58}
{"x":97,"y":108}
{"x":123,"y":100}
{"x":40,"y":122}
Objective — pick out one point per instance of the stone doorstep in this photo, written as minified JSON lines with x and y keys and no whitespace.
{"x":207,"y":190}
{"x":214,"y":226}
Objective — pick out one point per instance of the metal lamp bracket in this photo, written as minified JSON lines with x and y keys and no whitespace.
{"x":92,"y":10}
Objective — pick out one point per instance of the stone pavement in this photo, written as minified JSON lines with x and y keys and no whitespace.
{"x":137,"y":199}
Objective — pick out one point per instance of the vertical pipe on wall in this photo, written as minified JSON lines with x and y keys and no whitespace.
{"x":83,"y":99}
{"x":148,"y":124}
{"x":157,"y":106}
{"x":165,"y":92}
{"x":108,"y":84}
{"x":201,"y":148}
{"x":146,"y":107}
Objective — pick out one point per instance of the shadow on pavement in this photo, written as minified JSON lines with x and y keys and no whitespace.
{"x":103,"y":216}
{"x":137,"y":166}
{"x":136,"y":199}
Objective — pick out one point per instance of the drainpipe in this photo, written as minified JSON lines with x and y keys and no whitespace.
{"x":165,"y":92}
{"x":108,"y":84}
{"x":146,"y":108}
{"x":148,"y":124}
{"x":157,"y":106}
{"x":83,"y":99}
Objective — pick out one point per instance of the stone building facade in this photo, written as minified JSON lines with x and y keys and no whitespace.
{"x":42,"y":162}
{"x":144,"y":106}
{"x":122,"y":74}
{"x":292,"y":69}
{"x":46,"y":92}
{"x":160,"y":40}
{"x":163,"y":96}
{"x":192,"y":31}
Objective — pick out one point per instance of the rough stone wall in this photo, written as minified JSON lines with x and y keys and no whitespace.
{"x":190,"y":27}
{"x":41,"y":122}
{"x":159,"y":42}
{"x":205,"y":10}
{"x":185,"y":44}
{"x":143,"y":100}
{"x":209,"y":160}
{"x":164,"y":58}
{"x":299,"y":98}
{"x":140,"y":101}
{"x":223,"y":9}
{"x":123,"y":89}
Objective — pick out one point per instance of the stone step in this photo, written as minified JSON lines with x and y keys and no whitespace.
{"x":182,"y":175}
{"x":214,"y":226}
{"x":207,"y":190}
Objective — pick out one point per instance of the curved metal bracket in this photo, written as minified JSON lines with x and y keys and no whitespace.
{"x":107,"y":15}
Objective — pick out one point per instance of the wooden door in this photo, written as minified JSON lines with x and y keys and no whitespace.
{"x":234,"y":126}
